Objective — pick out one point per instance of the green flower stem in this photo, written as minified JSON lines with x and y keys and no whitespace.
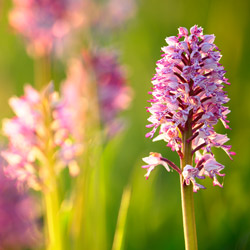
{"x":52,"y":217}
{"x":50,"y":188}
{"x":42,"y":68}
{"x":89,"y":189}
{"x":51,"y":199}
{"x":187,"y":194}
{"x":80,"y":202}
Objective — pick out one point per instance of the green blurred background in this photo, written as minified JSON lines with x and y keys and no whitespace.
{"x":154,"y":217}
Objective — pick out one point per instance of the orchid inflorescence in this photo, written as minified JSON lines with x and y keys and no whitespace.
{"x":35,"y":134}
{"x":101,"y":69}
{"x":18,"y":215}
{"x":45,"y":24}
{"x":188,"y":98}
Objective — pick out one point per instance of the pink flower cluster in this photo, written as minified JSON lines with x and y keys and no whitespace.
{"x":114,"y":13}
{"x":100,"y":69}
{"x":44,"y":23}
{"x":18,"y":217}
{"x":36,"y":128}
{"x":114,"y":94}
{"x":188,"y":89}
{"x":47,"y":25}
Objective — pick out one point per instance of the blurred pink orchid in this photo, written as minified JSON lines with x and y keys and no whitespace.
{"x":100,"y":69}
{"x":36,"y":127}
{"x":44,"y":23}
{"x":18,"y":216}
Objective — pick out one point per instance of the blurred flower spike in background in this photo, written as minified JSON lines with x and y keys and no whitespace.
{"x":188,"y":100}
{"x":44,"y":23}
{"x":99,"y":69}
{"x":36,"y":135}
{"x":47,"y":25}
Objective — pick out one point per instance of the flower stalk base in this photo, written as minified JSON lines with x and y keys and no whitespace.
{"x":52,"y":220}
{"x":188,"y":216}
{"x":187,"y":198}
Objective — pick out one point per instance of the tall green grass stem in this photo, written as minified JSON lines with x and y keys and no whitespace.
{"x":122,"y":218}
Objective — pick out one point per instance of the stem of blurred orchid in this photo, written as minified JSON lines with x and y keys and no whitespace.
{"x":52,"y":216}
{"x":42,"y":71}
{"x":88,"y":183}
{"x":50,"y":191}
{"x":95,"y":92}
{"x":187,"y":191}
{"x":89,"y":212}
{"x":79,"y":210}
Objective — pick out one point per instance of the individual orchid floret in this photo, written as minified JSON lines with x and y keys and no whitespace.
{"x":98,"y":78}
{"x":210,"y":167}
{"x":37,"y":137}
{"x":188,"y":100}
{"x":44,"y":23}
{"x":189,"y":174}
{"x":153,"y":160}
